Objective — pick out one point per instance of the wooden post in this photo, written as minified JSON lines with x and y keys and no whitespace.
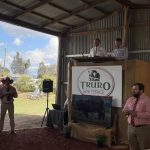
{"x":125,"y":27}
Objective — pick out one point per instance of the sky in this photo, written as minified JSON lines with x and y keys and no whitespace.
{"x":33,"y":45}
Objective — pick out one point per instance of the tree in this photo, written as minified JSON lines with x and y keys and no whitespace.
{"x":4,"y":71}
{"x":46,"y":69}
{"x":51,"y":69}
{"x":41,"y":70}
{"x":18,"y":65}
{"x":25,"y":84}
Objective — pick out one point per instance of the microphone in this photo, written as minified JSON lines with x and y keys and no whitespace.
{"x":95,"y":50}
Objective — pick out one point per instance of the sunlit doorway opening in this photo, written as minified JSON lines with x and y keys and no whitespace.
{"x":28,"y":57}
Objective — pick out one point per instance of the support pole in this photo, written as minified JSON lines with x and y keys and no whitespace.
{"x":59,"y":72}
{"x":69,"y":89}
{"x":125,"y":27}
{"x":46,"y":112}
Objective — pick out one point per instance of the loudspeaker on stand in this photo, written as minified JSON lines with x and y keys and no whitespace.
{"x":47,"y":85}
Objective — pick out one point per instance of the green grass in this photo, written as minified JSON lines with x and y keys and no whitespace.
{"x":26,"y":106}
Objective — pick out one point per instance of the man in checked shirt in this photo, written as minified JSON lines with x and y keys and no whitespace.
{"x":120,"y":52}
{"x":137,"y":110}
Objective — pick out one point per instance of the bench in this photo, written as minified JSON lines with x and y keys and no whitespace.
{"x":88,"y":132}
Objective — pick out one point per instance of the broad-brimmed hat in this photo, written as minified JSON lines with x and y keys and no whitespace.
{"x":7,"y":79}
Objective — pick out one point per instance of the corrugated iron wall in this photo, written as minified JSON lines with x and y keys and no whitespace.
{"x":139,"y":34}
{"x":140,"y":30}
{"x":80,"y":40}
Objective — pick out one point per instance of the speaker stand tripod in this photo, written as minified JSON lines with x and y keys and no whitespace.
{"x":46,"y":112}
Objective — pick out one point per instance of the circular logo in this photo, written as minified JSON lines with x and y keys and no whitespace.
{"x":96,"y":81}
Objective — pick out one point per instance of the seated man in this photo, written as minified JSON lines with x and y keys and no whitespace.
{"x":97,"y":50}
{"x":120,"y":52}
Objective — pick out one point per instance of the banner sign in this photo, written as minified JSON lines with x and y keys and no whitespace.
{"x":98,"y":81}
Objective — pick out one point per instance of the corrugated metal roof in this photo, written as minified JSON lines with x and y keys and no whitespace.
{"x":7,"y":9}
{"x":59,"y":27}
{"x":24,"y":3}
{"x":109,"y":7}
{"x":73,"y":20}
{"x":59,"y":16}
{"x":91,"y":13}
{"x":49,"y":11}
{"x":31,"y":18}
{"x":71,"y":4}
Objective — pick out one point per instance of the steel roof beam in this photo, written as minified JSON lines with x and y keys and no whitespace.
{"x":28,"y":25}
{"x":133,"y":5}
{"x":102,"y":11}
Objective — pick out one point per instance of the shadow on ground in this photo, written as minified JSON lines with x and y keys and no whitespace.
{"x":43,"y":139}
{"x":25,"y":121}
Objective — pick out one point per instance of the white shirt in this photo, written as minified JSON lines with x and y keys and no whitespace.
{"x":97,"y":51}
{"x":120,"y":53}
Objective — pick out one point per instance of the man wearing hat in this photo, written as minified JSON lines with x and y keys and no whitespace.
{"x":7,"y":95}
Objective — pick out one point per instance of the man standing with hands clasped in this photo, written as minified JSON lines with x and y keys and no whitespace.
{"x":97,"y":50}
{"x":7,"y":95}
{"x":137,"y":110}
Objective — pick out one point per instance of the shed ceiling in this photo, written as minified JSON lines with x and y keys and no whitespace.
{"x":59,"y":16}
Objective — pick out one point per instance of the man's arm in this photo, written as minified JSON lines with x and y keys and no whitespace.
{"x":113,"y":53}
{"x":14,"y":93}
{"x":125,"y":109}
{"x":104,"y":51}
{"x":91,"y":54}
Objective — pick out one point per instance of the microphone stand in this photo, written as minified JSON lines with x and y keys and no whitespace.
{"x":82,"y":53}
{"x":46,"y":112}
{"x":96,"y":51}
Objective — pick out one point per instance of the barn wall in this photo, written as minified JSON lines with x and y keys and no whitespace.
{"x":80,"y":41}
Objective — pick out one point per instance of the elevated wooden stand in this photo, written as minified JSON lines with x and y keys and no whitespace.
{"x":133,"y":71}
